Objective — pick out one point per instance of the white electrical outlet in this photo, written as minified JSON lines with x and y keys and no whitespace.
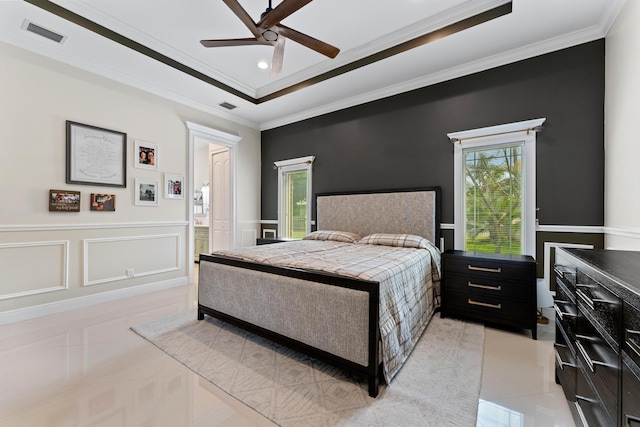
{"x":129,"y":272}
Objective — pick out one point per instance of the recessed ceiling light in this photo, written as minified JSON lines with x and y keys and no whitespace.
{"x":263,"y":65}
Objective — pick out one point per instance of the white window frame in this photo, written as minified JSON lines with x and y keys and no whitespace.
{"x":491,"y":137}
{"x":294,"y":165}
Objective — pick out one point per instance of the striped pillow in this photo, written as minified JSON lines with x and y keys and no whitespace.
{"x":399,"y":240}
{"x":338,"y":236}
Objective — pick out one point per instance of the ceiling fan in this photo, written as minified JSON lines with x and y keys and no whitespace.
{"x":269,"y":31}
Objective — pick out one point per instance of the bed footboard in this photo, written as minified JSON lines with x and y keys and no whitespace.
{"x":329,"y":317}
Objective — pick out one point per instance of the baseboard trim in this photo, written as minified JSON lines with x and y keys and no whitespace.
{"x":41,"y":310}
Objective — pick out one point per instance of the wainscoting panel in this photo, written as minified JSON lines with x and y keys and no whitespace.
{"x":20,"y":278}
{"x":249,"y":237}
{"x":121,"y":258}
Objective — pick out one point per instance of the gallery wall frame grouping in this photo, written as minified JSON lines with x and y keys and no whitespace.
{"x":98,"y":156}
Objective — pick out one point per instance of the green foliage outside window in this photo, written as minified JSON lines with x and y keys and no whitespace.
{"x":296,"y":218}
{"x":494,"y":199}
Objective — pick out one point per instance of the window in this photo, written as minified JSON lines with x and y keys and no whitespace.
{"x":294,"y":197}
{"x":495,"y":188}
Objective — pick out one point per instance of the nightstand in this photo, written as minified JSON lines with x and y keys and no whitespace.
{"x":494,"y":288}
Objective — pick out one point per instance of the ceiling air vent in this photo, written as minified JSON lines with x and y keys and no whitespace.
{"x":227,"y":106}
{"x":41,"y":31}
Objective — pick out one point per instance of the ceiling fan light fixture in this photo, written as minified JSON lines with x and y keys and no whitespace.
{"x":270,"y":35}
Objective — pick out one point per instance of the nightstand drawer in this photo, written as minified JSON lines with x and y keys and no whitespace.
{"x":498,"y":310}
{"x":488,"y":287}
{"x":488,"y":268}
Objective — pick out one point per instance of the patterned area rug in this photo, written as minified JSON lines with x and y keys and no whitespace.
{"x":438,"y":385}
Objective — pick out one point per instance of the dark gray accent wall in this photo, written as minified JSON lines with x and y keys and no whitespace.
{"x":401,"y":141}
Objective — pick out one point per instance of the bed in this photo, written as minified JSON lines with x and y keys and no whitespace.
{"x":356,"y":293}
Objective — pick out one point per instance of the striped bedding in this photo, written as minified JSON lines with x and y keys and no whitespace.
{"x":409,"y":283}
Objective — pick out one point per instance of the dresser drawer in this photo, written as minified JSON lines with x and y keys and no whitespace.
{"x":630,"y":393}
{"x":589,"y":406}
{"x":565,"y":272}
{"x":601,"y":305}
{"x":565,"y":364}
{"x":631,"y":322}
{"x":601,"y":363}
{"x":566,"y":311}
{"x":489,"y":268}
{"x":488,"y":286}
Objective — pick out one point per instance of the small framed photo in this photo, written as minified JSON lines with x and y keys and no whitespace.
{"x":103,"y":202}
{"x":64,"y":201}
{"x":146,"y":155}
{"x":146,"y":192}
{"x":173,"y":186}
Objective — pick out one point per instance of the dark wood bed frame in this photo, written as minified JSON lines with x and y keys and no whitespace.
{"x":372,"y":371}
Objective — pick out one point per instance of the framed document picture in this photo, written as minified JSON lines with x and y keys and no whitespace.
{"x":96,"y":156}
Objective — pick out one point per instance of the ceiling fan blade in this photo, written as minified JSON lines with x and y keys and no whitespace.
{"x":284,"y":9}
{"x":308,"y":41}
{"x":244,"y":16}
{"x":278,"y":56}
{"x":233,"y":42}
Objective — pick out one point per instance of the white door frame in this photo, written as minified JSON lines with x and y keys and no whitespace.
{"x":199,"y":133}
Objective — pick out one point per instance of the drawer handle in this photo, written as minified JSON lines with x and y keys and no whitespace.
{"x":484,"y":304}
{"x":561,"y":362}
{"x":491,"y":288}
{"x":586,"y":357}
{"x":561,"y":313}
{"x":628,"y":419}
{"x":592,"y":363}
{"x":634,"y":346}
{"x":579,"y":409}
{"x":591,"y":301}
{"x":488,"y":270}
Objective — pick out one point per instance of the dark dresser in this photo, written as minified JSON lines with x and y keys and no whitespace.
{"x":597,"y":344}
{"x":494,"y":288}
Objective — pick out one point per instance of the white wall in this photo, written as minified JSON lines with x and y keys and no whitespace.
{"x":54,"y":257}
{"x":622,"y":149}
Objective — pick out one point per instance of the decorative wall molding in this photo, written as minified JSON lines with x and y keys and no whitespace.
{"x":33,"y":312}
{"x":87,"y":258}
{"x":249,"y":237}
{"x":589,"y":229}
{"x":66,"y":227}
{"x":65,"y":267}
{"x":547,"y":257}
{"x":623,"y":232}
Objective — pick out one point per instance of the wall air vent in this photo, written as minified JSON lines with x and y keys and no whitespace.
{"x":41,"y":31}
{"x":227,"y":105}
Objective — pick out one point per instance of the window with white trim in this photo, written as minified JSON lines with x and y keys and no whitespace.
{"x":294,"y":197}
{"x":495,"y":188}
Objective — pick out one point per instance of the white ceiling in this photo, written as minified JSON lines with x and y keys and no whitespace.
{"x":359,"y":28}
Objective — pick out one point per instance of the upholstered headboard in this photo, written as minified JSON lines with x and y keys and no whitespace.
{"x":414,"y":211}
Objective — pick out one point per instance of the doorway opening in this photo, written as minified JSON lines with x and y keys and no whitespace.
{"x":212,"y":183}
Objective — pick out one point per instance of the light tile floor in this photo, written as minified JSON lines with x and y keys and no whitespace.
{"x":86,"y":368}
